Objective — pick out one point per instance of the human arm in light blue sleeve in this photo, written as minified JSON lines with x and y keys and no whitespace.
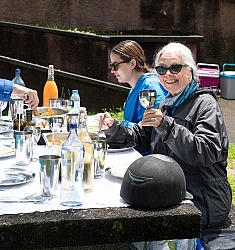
{"x":6,"y":88}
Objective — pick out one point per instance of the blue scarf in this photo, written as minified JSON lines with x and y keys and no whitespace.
{"x":176,"y":101}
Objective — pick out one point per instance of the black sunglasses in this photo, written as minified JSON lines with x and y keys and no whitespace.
{"x":174,"y":69}
{"x":114,"y":65}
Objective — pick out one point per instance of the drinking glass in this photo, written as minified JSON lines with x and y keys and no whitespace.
{"x":36,"y":132}
{"x":56,"y":102}
{"x":56,"y":124}
{"x":147,"y":97}
{"x":92,"y":123}
{"x":3,"y":105}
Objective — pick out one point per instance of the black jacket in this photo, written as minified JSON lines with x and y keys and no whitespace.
{"x":195,"y":136}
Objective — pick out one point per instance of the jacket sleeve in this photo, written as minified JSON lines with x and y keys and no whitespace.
{"x":119,"y":133}
{"x":202,"y":140}
{"x":6,"y":88}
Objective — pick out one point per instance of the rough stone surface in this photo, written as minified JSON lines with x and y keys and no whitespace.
{"x":93,"y":227}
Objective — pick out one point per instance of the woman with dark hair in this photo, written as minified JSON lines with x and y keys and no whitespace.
{"x":128,"y":64}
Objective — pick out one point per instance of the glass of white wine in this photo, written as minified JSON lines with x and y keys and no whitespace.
{"x":147,"y":97}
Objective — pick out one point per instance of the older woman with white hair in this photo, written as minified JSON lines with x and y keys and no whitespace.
{"x":189,"y":127}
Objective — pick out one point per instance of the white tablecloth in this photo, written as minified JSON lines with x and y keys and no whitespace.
{"x":106,"y":191}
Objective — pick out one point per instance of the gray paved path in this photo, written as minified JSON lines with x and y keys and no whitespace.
{"x":228,"y":109}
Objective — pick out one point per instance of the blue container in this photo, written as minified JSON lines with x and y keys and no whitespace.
{"x":227,"y":82}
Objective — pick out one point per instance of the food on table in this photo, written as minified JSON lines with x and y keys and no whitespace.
{"x":56,"y":142}
{"x":49,"y":112}
{"x":42,"y":123}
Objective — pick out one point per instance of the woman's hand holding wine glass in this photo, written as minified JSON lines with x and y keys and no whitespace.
{"x":152,"y":117}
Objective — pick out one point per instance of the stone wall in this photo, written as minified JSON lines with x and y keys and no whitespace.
{"x":212,"y":19}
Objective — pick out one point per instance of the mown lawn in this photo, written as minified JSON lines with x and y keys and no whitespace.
{"x":231,"y":168}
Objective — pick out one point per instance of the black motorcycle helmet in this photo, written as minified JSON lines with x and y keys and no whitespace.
{"x":153,"y":182}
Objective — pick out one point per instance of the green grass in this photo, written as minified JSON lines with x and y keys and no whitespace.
{"x":116,"y":113}
{"x":231,"y":168}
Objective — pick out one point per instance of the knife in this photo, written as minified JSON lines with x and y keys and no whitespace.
{"x":22,"y":201}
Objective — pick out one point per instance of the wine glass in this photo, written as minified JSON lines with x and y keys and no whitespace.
{"x":3,"y":105}
{"x":147,"y":98}
{"x":37,"y":134}
{"x":56,"y":124}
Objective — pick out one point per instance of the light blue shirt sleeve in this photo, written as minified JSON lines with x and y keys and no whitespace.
{"x":6,"y":88}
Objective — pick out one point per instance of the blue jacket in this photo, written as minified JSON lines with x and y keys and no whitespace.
{"x":133,"y":110}
{"x":6,"y":88}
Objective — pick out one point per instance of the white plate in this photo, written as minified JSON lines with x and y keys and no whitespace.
{"x":6,"y":151}
{"x":121,"y":148}
{"x":15,"y":176}
{"x":117,"y":170}
{"x":4,"y":128}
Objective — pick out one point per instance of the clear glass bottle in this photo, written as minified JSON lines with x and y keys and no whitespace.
{"x":29,"y":118}
{"x":76,"y":101}
{"x":18,"y":79}
{"x":72,"y":165}
{"x":50,"y":89}
{"x":88,"y":173}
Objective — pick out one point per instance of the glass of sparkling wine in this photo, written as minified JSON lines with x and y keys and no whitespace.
{"x":147,"y":97}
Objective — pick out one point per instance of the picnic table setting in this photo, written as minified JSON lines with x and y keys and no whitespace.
{"x":20,"y":180}
{"x":57,"y":158}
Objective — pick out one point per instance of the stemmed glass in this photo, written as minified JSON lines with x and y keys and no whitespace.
{"x":3,"y":105}
{"x":56,"y":124}
{"x":147,"y":98}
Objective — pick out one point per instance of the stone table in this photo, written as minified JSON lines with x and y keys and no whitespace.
{"x":106,"y":228}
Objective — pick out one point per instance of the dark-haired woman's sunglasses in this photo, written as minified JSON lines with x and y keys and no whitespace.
{"x":114,"y":65}
{"x":174,"y":69}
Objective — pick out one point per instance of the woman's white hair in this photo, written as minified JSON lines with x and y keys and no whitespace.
{"x":184,"y":52}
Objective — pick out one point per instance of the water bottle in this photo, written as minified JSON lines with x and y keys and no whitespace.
{"x":72,"y":165}
{"x":76,"y":101}
{"x":17,"y":79}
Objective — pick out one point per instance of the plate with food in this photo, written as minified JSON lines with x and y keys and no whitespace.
{"x":119,"y":147}
{"x":6,"y":151}
{"x":15,"y":176}
{"x":45,"y":116}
